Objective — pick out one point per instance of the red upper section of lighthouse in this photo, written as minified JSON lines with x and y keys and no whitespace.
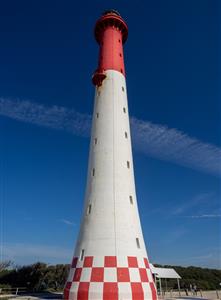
{"x":111,"y":33}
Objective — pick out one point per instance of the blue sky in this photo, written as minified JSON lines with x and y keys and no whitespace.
{"x":47,"y":57}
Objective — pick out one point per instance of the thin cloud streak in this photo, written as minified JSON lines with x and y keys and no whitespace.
{"x":208,"y":257}
{"x":198,"y":200}
{"x":158,"y":141}
{"x":204,"y":216}
{"x":67,"y":222}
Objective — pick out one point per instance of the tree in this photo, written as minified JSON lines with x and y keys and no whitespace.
{"x":5,"y":264}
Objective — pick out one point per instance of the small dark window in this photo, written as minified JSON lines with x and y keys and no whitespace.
{"x":121,"y":70}
{"x":95,"y":141}
{"x":89,"y":209}
{"x":120,"y":55}
{"x":124,"y":109}
{"x":119,"y":40}
{"x":131,"y":200}
{"x":138,"y":243}
{"x":82,"y":254}
{"x":93,"y":172}
{"x":122,"y":88}
{"x":97,"y":115}
{"x":128,"y":164}
{"x":125,"y":134}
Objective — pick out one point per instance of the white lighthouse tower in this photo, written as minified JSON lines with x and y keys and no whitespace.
{"x":110,"y":260}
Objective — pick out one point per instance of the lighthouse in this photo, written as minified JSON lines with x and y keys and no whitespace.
{"x":110,"y":260}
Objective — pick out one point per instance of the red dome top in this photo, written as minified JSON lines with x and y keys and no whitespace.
{"x":108,"y":19}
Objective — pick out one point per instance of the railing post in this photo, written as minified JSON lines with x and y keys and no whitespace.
{"x":178,"y":284}
{"x":161,"y":293}
{"x":16,"y":293}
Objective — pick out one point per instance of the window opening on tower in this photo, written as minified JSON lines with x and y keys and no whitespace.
{"x":131,"y":199}
{"x":138,"y":243}
{"x":89,"y":209}
{"x":82,"y":254}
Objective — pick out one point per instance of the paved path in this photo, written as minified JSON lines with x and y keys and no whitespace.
{"x":42,"y":296}
{"x":207,"y":295}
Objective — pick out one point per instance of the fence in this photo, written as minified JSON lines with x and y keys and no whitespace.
{"x":210,"y":295}
{"x":13,"y":291}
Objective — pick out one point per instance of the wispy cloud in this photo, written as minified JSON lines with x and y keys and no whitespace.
{"x":173,"y":145}
{"x":67,"y":222}
{"x":196,"y":201}
{"x":176,"y":235}
{"x":154,"y":140}
{"x":54,"y":117}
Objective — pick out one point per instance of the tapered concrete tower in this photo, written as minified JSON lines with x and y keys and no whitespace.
{"x":110,"y":260}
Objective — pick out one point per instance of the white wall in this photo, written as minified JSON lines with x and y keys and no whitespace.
{"x":113,"y":224}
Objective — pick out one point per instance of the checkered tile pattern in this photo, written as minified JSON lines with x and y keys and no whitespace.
{"x":110,"y":278}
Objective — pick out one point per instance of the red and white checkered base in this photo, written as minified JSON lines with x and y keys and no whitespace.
{"x":110,"y":278}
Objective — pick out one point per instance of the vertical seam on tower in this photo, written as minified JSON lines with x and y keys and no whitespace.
{"x":115,"y":237}
{"x":113,"y":86}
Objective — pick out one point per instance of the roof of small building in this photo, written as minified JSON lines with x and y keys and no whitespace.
{"x":164,"y":272}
